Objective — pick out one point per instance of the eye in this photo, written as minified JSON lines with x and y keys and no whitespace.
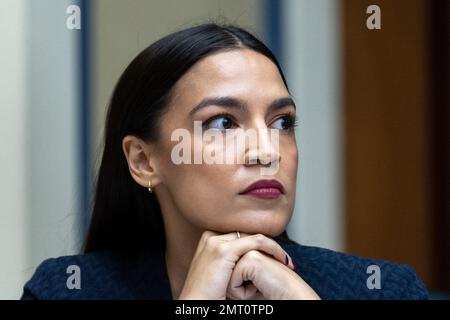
{"x":220,"y":122}
{"x":285,"y":122}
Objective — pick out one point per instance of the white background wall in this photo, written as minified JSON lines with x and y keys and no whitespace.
{"x":38,"y":138}
{"x":312,"y":66}
{"x":13,"y":169}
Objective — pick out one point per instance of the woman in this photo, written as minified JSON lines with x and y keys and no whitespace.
{"x":169,"y":224}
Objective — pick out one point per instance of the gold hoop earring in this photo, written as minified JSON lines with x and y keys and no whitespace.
{"x":150,"y":186}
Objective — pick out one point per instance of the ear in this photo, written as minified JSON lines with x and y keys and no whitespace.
{"x":140,"y":162}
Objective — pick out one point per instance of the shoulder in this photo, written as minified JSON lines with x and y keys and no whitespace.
{"x":336,"y":275}
{"x":98,"y":275}
{"x":63,"y":277}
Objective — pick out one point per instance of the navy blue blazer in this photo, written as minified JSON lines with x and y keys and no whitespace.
{"x":113,"y":275}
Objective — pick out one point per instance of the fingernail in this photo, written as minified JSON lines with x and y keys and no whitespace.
{"x":289,"y":262}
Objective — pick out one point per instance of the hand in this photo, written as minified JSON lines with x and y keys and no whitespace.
{"x":216,"y":257}
{"x":270,"y":279}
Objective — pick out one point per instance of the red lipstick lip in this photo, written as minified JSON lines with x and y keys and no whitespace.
{"x":264,"y":184}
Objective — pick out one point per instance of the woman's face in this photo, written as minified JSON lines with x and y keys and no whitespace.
{"x":209,"y":196}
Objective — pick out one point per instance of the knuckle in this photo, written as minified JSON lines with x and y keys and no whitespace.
{"x":259,"y":238}
{"x":221,"y":249}
{"x":204,"y":237}
{"x":252,"y":255}
{"x":210,"y":243}
{"x":207,"y":234}
{"x":217,"y":248}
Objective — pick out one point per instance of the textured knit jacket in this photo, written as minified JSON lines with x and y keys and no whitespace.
{"x":113,"y":275}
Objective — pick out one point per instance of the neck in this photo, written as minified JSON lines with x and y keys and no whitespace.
{"x":178,"y":261}
{"x":181,"y":243}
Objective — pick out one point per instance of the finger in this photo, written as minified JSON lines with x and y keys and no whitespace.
{"x":241,"y":285}
{"x":246,"y":242}
{"x":249,"y":292}
{"x":237,"y":290}
{"x":204,"y":237}
{"x":261,"y":243}
{"x":217,"y":236}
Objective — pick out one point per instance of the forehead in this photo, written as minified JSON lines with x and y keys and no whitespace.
{"x":242,"y":73}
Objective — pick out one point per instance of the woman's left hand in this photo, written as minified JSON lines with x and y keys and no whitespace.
{"x":270,"y":279}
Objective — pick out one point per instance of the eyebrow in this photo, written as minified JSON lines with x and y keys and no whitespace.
{"x":238,"y":104}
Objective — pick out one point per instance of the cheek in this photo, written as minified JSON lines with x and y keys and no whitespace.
{"x":289,"y":161}
{"x":208,"y":190}
{"x":288,"y":149}
{"x":288,"y":169}
{"x":201,"y":192}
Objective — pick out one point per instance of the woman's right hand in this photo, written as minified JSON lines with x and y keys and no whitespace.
{"x":215,"y":258}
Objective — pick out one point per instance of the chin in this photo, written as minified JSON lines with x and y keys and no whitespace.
{"x":268,"y":231}
{"x":270,"y":227}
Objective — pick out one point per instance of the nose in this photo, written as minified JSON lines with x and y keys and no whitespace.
{"x":263,"y":147}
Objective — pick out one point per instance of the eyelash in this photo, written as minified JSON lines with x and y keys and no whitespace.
{"x":218,"y":116}
{"x":292,"y":118}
